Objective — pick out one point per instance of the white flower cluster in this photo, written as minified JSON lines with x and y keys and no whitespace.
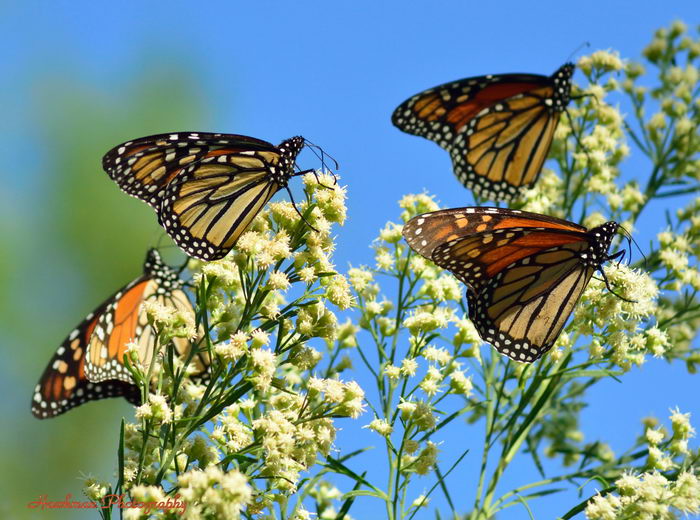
{"x":619,"y":315}
{"x":290,"y":446}
{"x":169,"y":321}
{"x":214,"y":493}
{"x":258,"y":343}
{"x":655,"y":493}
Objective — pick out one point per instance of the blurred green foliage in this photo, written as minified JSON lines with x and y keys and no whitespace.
{"x":69,"y":239}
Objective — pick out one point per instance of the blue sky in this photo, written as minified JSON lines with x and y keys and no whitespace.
{"x":332,"y":72}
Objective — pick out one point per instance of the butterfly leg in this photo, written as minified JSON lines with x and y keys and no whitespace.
{"x":607,"y":282}
{"x":297,"y":209}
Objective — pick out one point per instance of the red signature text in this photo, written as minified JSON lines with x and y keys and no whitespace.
{"x":109,"y":501}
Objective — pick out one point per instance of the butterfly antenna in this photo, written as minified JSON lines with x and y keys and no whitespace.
{"x":577,"y":49}
{"x":297,"y":209}
{"x":313,"y":147}
{"x":630,"y":241}
{"x":321,"y":155}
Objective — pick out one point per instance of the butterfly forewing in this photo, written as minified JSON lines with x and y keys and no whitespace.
{"x":121,"y":323}
{"x":145,"y":166}
{"x":125,"y":322}
{"x":446,"y":109}
{"x":427,"y":231}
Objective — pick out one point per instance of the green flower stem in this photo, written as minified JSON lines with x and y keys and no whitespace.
{"x":511,"y":447}
{"x":488,"y":377}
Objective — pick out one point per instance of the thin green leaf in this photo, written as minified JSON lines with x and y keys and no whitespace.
{"x":341,"y":468}
{"x":347,"y":504}
{"x":366,"y":493}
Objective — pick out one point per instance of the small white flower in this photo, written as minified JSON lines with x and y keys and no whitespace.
{"x":381,"y":426}
{"x":279,"y":281}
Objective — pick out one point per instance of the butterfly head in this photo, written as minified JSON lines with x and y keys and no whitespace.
{"x":289,"y":149}
{"x":153,"y":261}
{"x":602,"y":238}
{"x":154,"y":267}
{"x":562,"y":87}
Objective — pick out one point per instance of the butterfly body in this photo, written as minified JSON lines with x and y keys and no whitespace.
{"x":497,"y":128}
{"x":206,"y":188}
{"x":89,"y":363}
{"x":524,"y":272}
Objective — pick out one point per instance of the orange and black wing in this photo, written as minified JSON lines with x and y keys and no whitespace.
{"x":118,"y":325}
{"x":124,"y":321}
{"x":426,"y":232}
{"x":89,"y":364}
{"x":498,"y":128}
{"x":213,"y":203}
{"x":206,"y":188}
{"x":63,"y":385}
{"x":524,"y":271}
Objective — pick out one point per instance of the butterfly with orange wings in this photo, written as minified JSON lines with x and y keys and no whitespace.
{"x":89,"y":363}
{"x":497,"y":128}
{"x":206,"y":188}
{"x":524,"y":271}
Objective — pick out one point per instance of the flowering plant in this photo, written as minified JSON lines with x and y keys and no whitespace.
{"x":255,"y":437}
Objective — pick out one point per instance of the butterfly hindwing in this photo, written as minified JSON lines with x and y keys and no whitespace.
{"x":504,"y":147}
{"x":522,"y":309}
{"x":63,"y":385}
{"x":121,"y":322}
{"x":209,"y":207}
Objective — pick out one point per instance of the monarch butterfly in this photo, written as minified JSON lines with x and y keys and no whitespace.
{"x":497,"y":128}
{"x":524,"y":271}
{"x":89,"y":363}
{"x":206,"y":188}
